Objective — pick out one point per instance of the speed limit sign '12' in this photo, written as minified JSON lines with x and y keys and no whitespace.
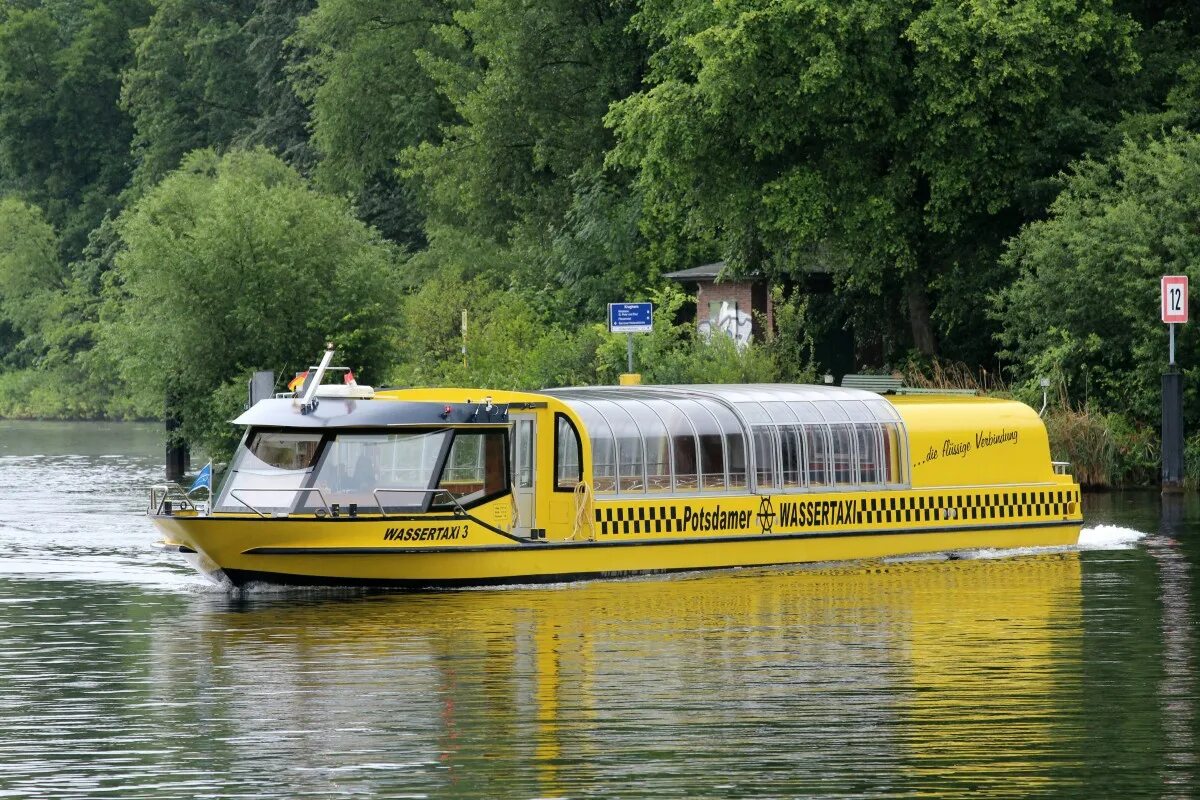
{"x":1174,"y":298}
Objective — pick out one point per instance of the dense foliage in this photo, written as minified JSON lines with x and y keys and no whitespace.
{"x":192,"y":189}
{"x":272,"y":269}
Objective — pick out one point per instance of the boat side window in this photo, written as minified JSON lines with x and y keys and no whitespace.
{"x":632,"y":468}
{"x":604,"y":465}
{"x":392,"y":470}
{"x":764,"y":456}
{"x":654,"y":438}
{"x":475,"y":467}
{"x":818,"y":449}
{"x":791,"y":454}
{"x":891,"y":453}
{"x":712,"y":462}
{"x":869,"y":460}
{"x":710,"y":439}
{"x":683,"y":451}
{"x":522,"y":453}
{"x":843,"y":454}
{"x":736,"y":448}
{"x":567,"y":470}
{"x":631,"y":462}
{"x":604,"y":449}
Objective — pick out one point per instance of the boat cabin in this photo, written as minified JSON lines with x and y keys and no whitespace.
{"x":525,"y":458}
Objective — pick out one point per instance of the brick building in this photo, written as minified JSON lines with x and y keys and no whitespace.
{"x":736,"y":306}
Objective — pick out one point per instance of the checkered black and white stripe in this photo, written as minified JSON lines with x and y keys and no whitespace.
{"x":948,"y":508}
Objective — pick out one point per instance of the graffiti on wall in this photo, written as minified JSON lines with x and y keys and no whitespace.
{"x":726,"y":317}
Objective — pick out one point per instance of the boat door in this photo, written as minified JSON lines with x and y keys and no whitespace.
{"x":524,"y":437}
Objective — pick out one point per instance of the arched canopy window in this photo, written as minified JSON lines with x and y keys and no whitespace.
{"x":659,"y":440}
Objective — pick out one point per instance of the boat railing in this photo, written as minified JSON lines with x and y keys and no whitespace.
{"x":434,"y":492}
{"x":326,"y":506}
{"x":1061,"y":467}
{"x":167,"y":498}
{"x":234,"y":494}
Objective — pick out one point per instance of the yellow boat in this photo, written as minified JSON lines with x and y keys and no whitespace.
{"x":345,"y":485}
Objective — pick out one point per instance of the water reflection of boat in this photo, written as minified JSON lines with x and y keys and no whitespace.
{"x":443,"y":487}
{"x":787,"y":681}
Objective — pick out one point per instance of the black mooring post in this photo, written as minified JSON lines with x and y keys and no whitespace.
{"x":177,"y":449}
{"x":1172,"y":431}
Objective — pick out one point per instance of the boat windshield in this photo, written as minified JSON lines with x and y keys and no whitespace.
{"x":295,"y":472}
{"x":267,"y":471}
{"x":392,"y":470}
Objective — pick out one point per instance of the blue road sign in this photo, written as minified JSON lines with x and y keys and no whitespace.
{"x":631,"y":317}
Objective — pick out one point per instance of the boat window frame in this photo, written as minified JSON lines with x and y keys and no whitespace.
{"x":689,"y":425}
{"x":703,"y":402}
{"x":578,"y":449}
{"x":668,"y":443}
{"x":506,"y":484}
{"x":874,"y":429}
{"x":439,"y":464}
{"x":593,"y":438}
{"x":305,"y":485}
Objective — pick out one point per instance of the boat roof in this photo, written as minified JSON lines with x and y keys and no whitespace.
{"x":732,"y":405}
{"x":336,"y":412}
{"x":753,"y":403}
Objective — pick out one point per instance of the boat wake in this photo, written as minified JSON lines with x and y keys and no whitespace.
{"x":1109,"y":537}
{"x":1100,"y":537}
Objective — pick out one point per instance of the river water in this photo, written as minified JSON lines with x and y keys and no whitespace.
{"x":998,"y":674}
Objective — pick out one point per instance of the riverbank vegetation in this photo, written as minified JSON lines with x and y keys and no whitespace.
{"x":191,"y":191}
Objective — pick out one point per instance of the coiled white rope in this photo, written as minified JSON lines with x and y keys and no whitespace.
{"x":584,"y":513}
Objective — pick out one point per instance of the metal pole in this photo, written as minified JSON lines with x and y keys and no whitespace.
{"x":629,"y":349}
{"x":1172,"y":361}
{"x":1172,"y":431}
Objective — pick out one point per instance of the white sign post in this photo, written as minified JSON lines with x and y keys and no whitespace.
{"x":1174,"y":305}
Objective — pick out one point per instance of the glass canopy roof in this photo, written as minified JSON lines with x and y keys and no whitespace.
{"x":738,"y":438}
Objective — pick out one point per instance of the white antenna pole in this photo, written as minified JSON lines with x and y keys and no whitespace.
{"x":308,"y":400}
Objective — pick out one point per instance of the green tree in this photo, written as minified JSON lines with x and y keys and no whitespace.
{"x":1084,"y":307}
{"x":233,"y":263}
{"x":898,"y":142}
{"x":282,"y":120}
{"x":64,"y":142}
{"x":190,"y":86}
{"x":31,"y":279}
{"x":531,"y":101}
{"x":370,"y":97}
{"x":214,"y":74}
{"x":522,"y":163}
{"x":509,"y":346}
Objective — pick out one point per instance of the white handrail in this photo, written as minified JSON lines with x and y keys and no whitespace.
{"x":447,"y":492}
{"x":234,"y":494}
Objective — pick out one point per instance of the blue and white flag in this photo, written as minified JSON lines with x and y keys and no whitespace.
{"x":203,"y":478}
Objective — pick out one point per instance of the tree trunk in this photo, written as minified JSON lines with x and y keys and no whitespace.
{"x":178,"y":458}
{"x":918,"y":317}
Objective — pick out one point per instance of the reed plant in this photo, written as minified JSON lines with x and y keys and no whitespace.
{"x":1105,"y":449}
{"x":937,"y":373}
{"x":1083,"y":437}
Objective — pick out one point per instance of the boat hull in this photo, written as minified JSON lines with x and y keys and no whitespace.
{"x":348,"y":553}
